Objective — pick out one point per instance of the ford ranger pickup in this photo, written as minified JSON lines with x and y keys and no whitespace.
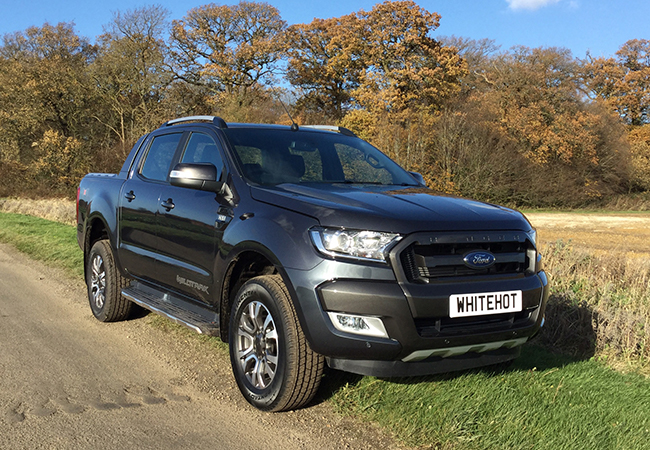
{"x":303,"y":246}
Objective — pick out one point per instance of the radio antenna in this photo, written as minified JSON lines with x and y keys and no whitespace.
{"x":294,"y":125}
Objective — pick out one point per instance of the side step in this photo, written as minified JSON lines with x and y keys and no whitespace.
{"x":189,"y":314}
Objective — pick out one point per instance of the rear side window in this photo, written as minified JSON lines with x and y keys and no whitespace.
{"x":201,"y":148}
{"x":159,"y":157}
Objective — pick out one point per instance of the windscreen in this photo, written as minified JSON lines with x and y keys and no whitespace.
{"x":274,"y":156}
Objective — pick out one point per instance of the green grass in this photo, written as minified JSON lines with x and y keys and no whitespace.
{"x":51,"y":242}
{"x":543,"y":401}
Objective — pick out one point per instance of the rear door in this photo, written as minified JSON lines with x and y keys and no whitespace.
{"x":139,"y":205}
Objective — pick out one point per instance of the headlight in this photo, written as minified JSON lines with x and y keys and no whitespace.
{"x":359,"y":244}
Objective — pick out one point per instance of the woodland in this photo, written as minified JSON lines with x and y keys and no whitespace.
{"x":526,"y":127}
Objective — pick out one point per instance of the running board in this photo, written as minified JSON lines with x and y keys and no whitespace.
{"x":189,"y":314}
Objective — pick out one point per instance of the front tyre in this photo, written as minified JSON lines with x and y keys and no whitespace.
{"x":273,"y":365}
{"x":105,"y":284}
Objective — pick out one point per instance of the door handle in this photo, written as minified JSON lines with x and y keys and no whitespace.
{"x":168,"y":204}
{"x":130,"y":196}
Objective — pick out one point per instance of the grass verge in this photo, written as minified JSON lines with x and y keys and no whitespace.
{"x":543,"y":401}
{"x":55,"y":209}
{"x":206,"y":343}
{"x":52,"y":242}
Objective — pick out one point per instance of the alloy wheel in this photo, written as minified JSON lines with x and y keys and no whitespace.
{"x":257,"y":345}
{"x":98,"y":281}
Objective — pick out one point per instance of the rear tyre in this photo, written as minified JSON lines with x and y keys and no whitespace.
{"x":274,"y":366}
{"x":105,"y":284}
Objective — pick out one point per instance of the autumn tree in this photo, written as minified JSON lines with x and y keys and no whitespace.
{"x":62,"y":163}
{"x":45,"y":80}
{"x":471,"y":155}
{"x":44,"y":88}
{"x":527,"y":109}
{"x":379,"y":73}
{"x":639,"y":138}
{"x":131,"y":73}
{"x":407,"y":79}
{"x":232,"y":51}
{"x":623,"y":82}
{"x":404,"y":68}
{"x":479,"y":55}
{"x":382,"y":61}
{"x":324,"y":64}
{"x":540,"y":104}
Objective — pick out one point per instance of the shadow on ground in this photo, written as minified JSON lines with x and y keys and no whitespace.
{"x":533,"y":357}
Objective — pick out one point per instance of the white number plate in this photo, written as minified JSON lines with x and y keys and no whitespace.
{"x":484,"y":303}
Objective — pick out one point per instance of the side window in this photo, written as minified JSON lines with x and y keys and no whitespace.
{"x":311,"y":156}
{"x":201,"y":148}
{"x":251,"y":158}
{"x":249,"y":155}
{"x":159,"y":157}
{"x":362,"y":167}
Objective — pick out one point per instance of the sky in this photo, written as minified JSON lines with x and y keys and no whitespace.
{"x":599,"y":27}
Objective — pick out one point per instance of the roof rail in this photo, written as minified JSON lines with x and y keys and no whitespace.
{"x":341,"y":130}
{"x":218,"y":121}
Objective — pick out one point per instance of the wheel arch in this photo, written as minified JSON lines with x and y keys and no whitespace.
{"x":96,"y":230}
{"x":245,"y":265}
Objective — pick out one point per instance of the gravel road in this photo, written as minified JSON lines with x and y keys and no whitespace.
{"x":69,"y":381}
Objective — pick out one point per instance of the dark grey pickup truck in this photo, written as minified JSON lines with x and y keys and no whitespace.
{"x":305,"y":246}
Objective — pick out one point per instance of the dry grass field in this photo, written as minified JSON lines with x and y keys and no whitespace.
{"x":622,"y":232}
{"x":619,"y":232}
{"x":599,"y":269}
{"x":58,"y":210}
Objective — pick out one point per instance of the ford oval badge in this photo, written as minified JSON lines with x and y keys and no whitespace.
{"x":479,"y":260}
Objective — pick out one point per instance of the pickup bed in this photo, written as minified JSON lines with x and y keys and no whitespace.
{"x":305,"y":246}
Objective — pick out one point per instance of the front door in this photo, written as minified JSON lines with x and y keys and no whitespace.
{"x":187,"y":227}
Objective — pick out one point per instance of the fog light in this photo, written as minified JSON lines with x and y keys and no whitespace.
{"x":364,"y":325}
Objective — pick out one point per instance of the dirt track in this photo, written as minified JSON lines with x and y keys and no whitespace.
{"x":69,"y":381}
{"x":628,"y":233}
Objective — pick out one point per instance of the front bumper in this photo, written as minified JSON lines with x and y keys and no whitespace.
{"x":422,"y":339}
{"x":430,"y":366}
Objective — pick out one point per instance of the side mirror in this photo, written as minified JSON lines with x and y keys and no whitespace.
{"x":200,"y":176}
{"x":419,"y":178}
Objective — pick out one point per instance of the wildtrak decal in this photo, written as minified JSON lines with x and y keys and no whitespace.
{"x":192,"y":284}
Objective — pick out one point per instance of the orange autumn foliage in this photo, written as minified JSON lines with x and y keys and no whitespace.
{"x":623,"y":82}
